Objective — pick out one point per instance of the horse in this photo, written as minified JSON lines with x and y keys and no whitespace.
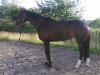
{"x":49,"y":30}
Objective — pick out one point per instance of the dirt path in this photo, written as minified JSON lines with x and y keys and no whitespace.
{"x":31,"y":57}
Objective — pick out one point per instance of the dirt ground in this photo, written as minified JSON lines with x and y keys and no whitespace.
{"x":30,"y":59}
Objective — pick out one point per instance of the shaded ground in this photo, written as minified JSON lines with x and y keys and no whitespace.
{"x":30,"y":59}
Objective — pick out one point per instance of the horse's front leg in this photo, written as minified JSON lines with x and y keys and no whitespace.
{"x":47,"y":52}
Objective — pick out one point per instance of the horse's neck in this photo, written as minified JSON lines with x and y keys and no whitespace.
{"x":34,"y":22}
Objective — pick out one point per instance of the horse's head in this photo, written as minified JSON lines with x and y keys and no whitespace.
{"x":21,"y":18}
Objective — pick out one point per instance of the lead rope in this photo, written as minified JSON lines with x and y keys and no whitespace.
{"x":15,"y":56}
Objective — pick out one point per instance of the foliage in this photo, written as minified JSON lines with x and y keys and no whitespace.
{"x":4,"y":2}
{"x":8,"y":15}
{"x":95,"y":23}
{"x":59,"y":9}
{"x":9,"y":11}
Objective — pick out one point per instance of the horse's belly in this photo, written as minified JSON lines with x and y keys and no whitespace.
{"x":60,"y":38}
{"x":55,"y":36}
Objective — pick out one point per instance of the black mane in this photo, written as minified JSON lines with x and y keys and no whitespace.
{"x":34,"y":14}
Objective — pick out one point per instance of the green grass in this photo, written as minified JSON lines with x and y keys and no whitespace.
{"x":33,"y":39}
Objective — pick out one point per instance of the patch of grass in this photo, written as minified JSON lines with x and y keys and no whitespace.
{"x":94,"y":49}
{"x":66,"y":44}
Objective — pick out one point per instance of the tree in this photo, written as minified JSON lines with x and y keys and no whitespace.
{"x":9,"y":11}
{"x":95,"y":23}
{"x":4,"y":2}
{"x":59,"y":9}
{"x":13,"y":11}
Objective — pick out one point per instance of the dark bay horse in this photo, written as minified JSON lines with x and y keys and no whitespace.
{"x":51,"y":30}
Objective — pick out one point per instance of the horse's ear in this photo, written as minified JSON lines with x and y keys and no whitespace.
{"x":22,"y":9}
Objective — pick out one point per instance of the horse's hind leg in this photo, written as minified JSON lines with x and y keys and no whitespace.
{"x":86,"y":53}
{"x":81,"y":50}
{"x":47,"y":52}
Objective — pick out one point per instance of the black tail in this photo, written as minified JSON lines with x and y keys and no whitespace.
{"x":86,"y":47}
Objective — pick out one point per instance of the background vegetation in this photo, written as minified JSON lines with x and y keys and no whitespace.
{"x":55,"y":9}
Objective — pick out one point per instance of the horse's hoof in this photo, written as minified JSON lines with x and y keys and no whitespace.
{"x":87,"y":65}
{"x":47,"y":63}
{"x":87,"y":62}
{"x":78,"y":64}
{"x":76,"y":67}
